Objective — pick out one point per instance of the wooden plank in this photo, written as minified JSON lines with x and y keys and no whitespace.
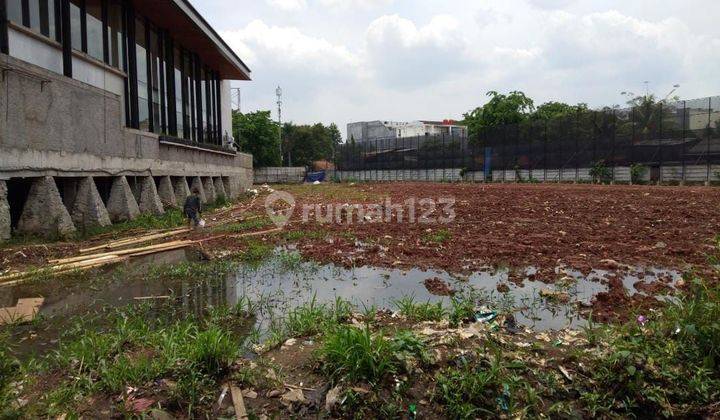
{"x":133,"y":241}
{"x":238,"y":403}
{"x":123,"y":252}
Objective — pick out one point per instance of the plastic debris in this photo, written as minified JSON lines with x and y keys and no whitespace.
{"x":485,"y":316}
{"x":412,"y":411}
{"x":504,"y":399}
{"x":332,"y":398}
{"x":642,"y":320}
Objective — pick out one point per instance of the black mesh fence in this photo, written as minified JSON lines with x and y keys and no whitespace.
{"x":682,"y":136}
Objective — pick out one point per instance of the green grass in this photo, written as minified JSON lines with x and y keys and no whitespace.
{"x":297,"y":235}
{"x":173,"y":218}
{"x":257,"y":251}
{"x":415,"y":311}
{"x":358,"y":354}
{"x":135,"y":350}
{"x":241,"y":227}
{"x":438,"y":237}
{"x":671,"y":366}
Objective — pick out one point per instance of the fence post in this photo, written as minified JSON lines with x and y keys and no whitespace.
{"x":660,"y":154}
{"x":545,"y":163}
{"x":612,"y":153}
{"x":707,"y":156}
{"x":684,"y":136}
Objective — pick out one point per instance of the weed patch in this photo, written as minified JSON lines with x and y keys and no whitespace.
{"x":420,"y":311}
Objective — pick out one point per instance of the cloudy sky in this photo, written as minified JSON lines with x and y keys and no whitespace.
{"x":353,"y":60}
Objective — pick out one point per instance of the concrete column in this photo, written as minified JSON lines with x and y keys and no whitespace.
{"x":182,"y":191}
{"x":197,"y":184}
{"x":149,"y":198}
{"x":231,"y":188}
{"x":219,"y":187}
{"x":166,"y":192}
{"x":44,"y":213}
{"x":122,"y":205}
{"x":88,"y":210}
{"x":209,"y":187}
{"x":5,"y":223}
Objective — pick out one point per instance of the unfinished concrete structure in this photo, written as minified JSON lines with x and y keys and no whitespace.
{"x":112,"y":114}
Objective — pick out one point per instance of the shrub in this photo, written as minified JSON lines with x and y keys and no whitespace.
{"x":637,"y":172}
{"x":600,"y":173}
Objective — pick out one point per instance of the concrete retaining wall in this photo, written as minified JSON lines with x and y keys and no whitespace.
{"x":60,"y":132}
{"x":51,"y":125}
{"x":272,"y":175}
{"x":691,"y":173}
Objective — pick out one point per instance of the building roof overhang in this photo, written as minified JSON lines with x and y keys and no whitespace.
{"x":188,"y":28}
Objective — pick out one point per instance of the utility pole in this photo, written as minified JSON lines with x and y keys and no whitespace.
{"x":278,"y":93}
{"x":237,"y":101}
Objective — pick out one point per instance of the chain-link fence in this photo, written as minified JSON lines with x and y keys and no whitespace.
{"x":677,"y":141}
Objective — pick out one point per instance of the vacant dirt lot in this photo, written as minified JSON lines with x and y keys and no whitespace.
{"x":544,"y":226}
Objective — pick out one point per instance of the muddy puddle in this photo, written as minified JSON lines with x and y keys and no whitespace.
{"x":285,"y":281}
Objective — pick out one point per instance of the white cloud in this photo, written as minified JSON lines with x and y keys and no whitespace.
{"x":287,"y":5}
{"x":350,"y":4}
{"x":289,"y":48}
{"x":348,"y":60}
{"x":403,"y":55}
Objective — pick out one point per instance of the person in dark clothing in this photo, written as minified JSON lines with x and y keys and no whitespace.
{"x":193,"y":208}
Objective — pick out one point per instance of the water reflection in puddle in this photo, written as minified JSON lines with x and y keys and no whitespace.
{"x":283,"y":282}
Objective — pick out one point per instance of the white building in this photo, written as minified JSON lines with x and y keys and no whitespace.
{"x":373,"y":130}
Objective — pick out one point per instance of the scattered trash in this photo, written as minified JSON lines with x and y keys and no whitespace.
{"x":202,"y":223}
{"x":249,"y":393}
{"x":642,"y":320}
{"x":412,"y":411}
{"x":486,"y":316}
{"x":565,"y":373}
{"x":238,"y":403}
{"x":332,"y":398}
{"x":293,"y":396}
{"x":273,"y":393}
{"x":504,"y":399}
{"x":289,"y":343}
{"x":139,"y":405}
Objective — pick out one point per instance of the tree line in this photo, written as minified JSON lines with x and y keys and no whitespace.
{"x":302,"y":145}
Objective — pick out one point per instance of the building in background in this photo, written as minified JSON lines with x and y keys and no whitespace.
{"x":374,"y":130}
{"x":111,"y":108}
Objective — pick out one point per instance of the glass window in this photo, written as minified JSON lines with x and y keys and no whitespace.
{"x":156,"y":69}
{"x":115,"y":35}
{"x":14,"y":11}
{"x":142,"y":76}
{"x":203,"y":92}
{"x":75,"y":25}
{"x":94,"y":29}
{"x":48,"y":8}
{"x":179,"y":94}
{"x":34,"y":7}
{"x":190,"y":102}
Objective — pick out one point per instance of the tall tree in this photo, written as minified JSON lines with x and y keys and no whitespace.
{"x":256,"y":133}
{"x":553,"y":110}
{"x":501,"y":109}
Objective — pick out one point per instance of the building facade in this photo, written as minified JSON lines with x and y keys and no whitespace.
{"x":111,"y":108}
{"x":374,"y":130}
